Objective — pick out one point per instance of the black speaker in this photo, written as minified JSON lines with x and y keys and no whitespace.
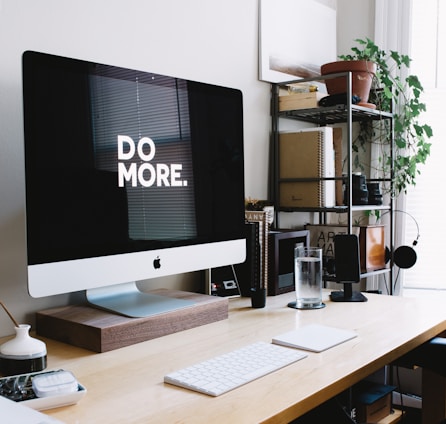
{"x":347,"y":268}
{"x":404,"y":256}
{"x":360,"y":194}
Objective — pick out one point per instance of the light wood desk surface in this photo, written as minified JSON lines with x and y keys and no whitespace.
{"x":126,"y":385}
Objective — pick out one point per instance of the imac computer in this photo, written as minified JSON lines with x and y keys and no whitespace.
{"x":129,"y":176}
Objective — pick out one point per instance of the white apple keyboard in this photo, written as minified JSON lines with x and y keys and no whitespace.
{"x":226,"y":372}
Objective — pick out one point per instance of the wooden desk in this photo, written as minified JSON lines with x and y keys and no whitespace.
{"x":126,"y":385}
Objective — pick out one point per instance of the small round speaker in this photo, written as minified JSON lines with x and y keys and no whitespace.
{"x":375,"y":196}
{"x":405,"y":257}
{"x":360,"y":194}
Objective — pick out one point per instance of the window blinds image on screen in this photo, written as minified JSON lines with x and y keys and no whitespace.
{"x":155,"y":170}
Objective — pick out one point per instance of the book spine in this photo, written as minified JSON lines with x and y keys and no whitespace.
{"x":248,"y":272}
{"x":321,"y":170}
{"x":328,"y":167}
{"x":263,"y":226}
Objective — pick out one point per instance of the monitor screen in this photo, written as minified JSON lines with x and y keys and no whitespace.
{"x":130,"y":175}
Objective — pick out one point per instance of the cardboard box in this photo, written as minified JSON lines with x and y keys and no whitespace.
{"x":300,"y":100}
{"x":373,"y":402}
{"x":376,"y":411}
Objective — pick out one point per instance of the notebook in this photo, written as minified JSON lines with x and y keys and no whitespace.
{"x":14,"y":412}
{"x":314,"y":337}
{"x":308,"y":153}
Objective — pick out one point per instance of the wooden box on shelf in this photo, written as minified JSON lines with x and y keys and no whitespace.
{"x":300,"y":100}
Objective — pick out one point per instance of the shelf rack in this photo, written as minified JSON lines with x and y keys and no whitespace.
{"x":322,"y":116}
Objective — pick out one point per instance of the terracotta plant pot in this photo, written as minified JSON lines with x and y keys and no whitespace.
{"x":362,"y":76}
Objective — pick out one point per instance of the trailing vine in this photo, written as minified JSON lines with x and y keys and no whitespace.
{"x":401,"y":95}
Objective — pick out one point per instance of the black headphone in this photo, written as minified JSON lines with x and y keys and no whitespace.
{"x":404,"y":256}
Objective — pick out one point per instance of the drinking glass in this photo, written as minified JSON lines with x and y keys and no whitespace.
{"x":308,"y":278}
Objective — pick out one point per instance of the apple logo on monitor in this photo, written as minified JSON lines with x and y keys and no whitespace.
{"x":157,"y":262}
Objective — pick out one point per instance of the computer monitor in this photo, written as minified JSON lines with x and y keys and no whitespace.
{"x":129,"y":175}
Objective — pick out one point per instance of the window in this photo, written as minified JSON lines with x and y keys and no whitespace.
{"x":425,"y":201}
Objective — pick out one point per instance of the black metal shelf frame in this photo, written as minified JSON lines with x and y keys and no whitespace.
{"x":322,"y":116}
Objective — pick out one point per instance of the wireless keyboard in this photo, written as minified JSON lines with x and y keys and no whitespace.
{"x":226,"y":372}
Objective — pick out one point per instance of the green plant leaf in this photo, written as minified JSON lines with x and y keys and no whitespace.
{"x":402,"y":97}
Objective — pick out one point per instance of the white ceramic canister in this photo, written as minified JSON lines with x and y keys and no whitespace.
{"x":22,"y":354}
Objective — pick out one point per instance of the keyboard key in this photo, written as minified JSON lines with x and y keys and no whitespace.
{"x":226,"y":372}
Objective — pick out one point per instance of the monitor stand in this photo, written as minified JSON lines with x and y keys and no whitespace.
{"x":126,"y":299}
{"x":347,"y":295}
{"x":96,"y":329}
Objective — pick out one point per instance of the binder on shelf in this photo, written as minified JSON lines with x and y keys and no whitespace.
{"x":337,"y":146}
{"x":307,"y":153}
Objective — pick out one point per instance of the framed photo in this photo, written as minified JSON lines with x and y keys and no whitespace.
{"x":296,"y":38}
{"x":281,"y":259}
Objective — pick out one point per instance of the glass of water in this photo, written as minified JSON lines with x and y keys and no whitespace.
{"x":308,"y":278}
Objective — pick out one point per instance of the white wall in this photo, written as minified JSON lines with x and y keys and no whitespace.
{"x":205,"y":40}
{"x":355,"y":19}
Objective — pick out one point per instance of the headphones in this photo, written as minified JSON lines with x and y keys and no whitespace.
{"x":404,"y":256}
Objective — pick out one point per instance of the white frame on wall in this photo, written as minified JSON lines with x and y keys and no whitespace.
{"x":295,"y":38}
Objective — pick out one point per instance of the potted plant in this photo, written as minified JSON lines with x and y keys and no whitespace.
{"x":363,"y":72}
{"x":401,"y":95}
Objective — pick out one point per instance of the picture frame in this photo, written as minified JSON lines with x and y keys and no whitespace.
{"x":284,"y":28}
{"x":281,"y":259}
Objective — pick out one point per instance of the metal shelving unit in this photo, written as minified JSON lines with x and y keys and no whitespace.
{"x":322,"y":116}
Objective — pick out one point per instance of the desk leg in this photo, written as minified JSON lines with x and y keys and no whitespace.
{"x":434,"y":398}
